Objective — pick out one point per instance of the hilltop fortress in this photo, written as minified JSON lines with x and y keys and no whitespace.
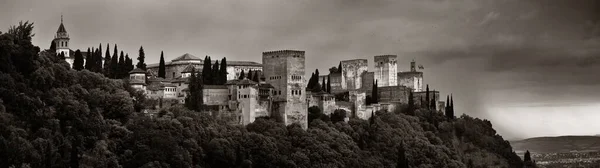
{"x":281,"y":90}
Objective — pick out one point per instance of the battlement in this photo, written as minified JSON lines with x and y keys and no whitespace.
{"x":385,"y":56}
{"x":355,"y":61}
{"x":284,"y":52}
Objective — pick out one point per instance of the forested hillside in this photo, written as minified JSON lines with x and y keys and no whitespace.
{"x":54,"y":116}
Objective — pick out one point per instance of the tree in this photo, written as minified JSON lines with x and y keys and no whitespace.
{"x":447,"y":111}
{"x":338,"y":115}
{"x":141,"y":64}
{"x":53,"y":46}
{"x":374,"y":93}
{"x":193,"y":100}
{"x":128,"y":65}
{"x":328,"y":83}
{"x":161,"y":66}
{"x":340,"y":68}
{"x":323,"y":85}
{"x":451,"y":106}
{"x":314,"y":112}
{"x":206,"y":70}
{"x":402,"y":162}
{"x":427,"y":97}
{"x":89,"y":62}
{"x":98,"y":59}
{"x":242,"y":75}
{"x":527,"y":156}
{"x":107,"y":60}
{"x":432,"y":103}
{"x":333,"y":70}
{"x":78,"y":62}
{"x":256,"y":76}
{"x":223,"y":71}
{"x":121,"y":66}
{"x":250,"y":74}
{"x":411,"y":103}
{"x":114,"y":64}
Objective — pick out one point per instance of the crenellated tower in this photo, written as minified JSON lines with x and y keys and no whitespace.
{"x":386,"y":69}
{"x":285,"y":70}
{"x":61,"y":40}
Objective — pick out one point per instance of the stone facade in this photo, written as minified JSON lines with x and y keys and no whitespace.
{"x":336,"y":82}
{"x":352,"y":71}
{"x":285,"y":70}
{"x":367,"y":82}
{"x":393,"y":94}
{"x":386,"y":68}
{"x":418,"y":96}
{"x":323,"y":100}
{"x":413,"y":80}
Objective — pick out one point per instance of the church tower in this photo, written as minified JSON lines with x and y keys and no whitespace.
{"x":61,"y":40}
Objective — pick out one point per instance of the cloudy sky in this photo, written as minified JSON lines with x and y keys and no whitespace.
{"x":529,"y":66}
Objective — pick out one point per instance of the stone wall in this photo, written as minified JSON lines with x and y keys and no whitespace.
{"x":412,"y":80}
{"x":386,"y":68}
{"x":367,"y":82}
{"x":285,"y":70}
{"x":393,"y":94}
{"x":215,"y":95}
{"x":351,"y":73}
{"x":336,"y":83}
{"x":233,"y":72}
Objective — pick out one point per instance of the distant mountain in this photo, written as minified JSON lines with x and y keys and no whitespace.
{"x":561,"y":144}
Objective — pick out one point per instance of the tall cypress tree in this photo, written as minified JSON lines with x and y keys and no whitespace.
{"x":249,"y":75}
{"x":141,"y":64}
{"x":223,"y":71}
{"x":89,"y":62}
{"x":127,"y":63}
{"x":324,"y":85}
{"x":427,"y":97}
{"x":206,"y":70}
{"x":121,"y":65}
{"x":411,"y":102}
{"x":374,"y":93}
{"x":98,"y":59}
{"x":161,"y":66}
{"x":107,"y":59}
{"x":451,"y":106}
{"x":328,"y":83}
{"x":242,"y":75}
{"x":402,"y":161}
{"x":130,"y":65}
{"x":215,"y":73}
{"x":256,"y":76}
{"x":193,"y":100}
{"x":78,"y":62}
{"x":114,"y":64}
{"x":432,"y":106}
{"x":447,"y":111}
{"x":340,"y":68}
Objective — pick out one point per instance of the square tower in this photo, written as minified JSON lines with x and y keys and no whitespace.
{"x":385,"y":70}
{"x":284,"y":69}
{"x":352,"y":71}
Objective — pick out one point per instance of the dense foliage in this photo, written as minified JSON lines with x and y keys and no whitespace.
{"x":53,"y":116}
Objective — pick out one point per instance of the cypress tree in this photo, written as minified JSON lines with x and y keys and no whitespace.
{"x":223,"y":71}
{"x":53,"y":46}
{"x":129,"y":64}
{"x":89,"y":62}
{"x":141,"y":64}
{"x":447,"y":111}
{"x":427,"y":97}
{"x":311,"y":81}
{"x":161,"y":66}
{"x":451,"y":106}
{"x":433,"y":101}
{"x":114,"y":64}
{"x":402,"y":162}
{"x":107,"y":60}
{"x":374,"y":94}
{"x":78,"y":62}
{"x":206,"y":70}
{"x":323,"y":86}
{"x":249,"y":75}
{"x":340,"y":68}
{"x":121,"y":65}
{"x":193,"y":100}
{"x":242,"y":75}
{"x":98,"y":60}
{"x":215,"y":73}
{"x":411,"y":102}
{"x":328,"y":84}
{"x":527,"y":157}
{"x":256,"y":76}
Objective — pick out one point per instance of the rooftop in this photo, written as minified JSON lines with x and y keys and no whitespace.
{"x":186,"y":56}
{"x":241,"y":82}
{"x":137,"y":70}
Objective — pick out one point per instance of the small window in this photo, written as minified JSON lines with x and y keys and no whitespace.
{"x":300,"y":92}
{"x":280,"y":92}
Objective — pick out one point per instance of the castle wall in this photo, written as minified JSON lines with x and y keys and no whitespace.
{"x":285,"y":70}
{"x":393,"y":94}
{"x":367,"y":82}
{"x":336,"y":83}
{"x":215,"y":95}
{"x":385,"y":70}
{"x":413,"y":80}
{"x":351,"y":73}
{"x":233,"y":72}
{"x":248,"y":104}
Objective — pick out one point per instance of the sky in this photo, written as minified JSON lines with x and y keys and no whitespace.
{"x":528,"y":66}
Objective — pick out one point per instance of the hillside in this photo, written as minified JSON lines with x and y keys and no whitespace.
{"x":54,"y":116}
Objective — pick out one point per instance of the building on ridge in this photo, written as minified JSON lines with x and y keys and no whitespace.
{"x":285,"y":70}
{"x":385,"y":70}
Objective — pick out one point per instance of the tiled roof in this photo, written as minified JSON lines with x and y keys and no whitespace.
{"x":229,"y":63}
{"x":186,"y":56}
{"x":265,"y":85}
{"x":240,"y":82}
{"x":214,"y":87}
{"x":137,"y":70}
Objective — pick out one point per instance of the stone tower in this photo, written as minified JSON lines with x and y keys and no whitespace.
{"x":386,"y":69}
{"x":61,"y":40}
{"x":284,"y":69}
{"x":412,"y":66}
{"x":352,"y":71}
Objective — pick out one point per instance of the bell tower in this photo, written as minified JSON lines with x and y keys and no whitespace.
{"x":61,"y":40}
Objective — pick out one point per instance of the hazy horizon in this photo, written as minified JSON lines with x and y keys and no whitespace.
{"x":527,"y":66}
